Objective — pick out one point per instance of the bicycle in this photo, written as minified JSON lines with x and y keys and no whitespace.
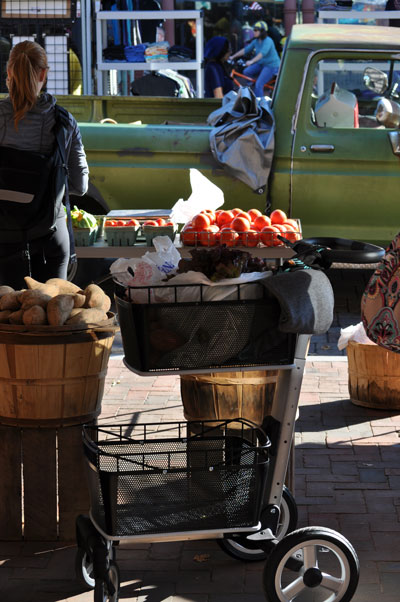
{"x":240,"y":79}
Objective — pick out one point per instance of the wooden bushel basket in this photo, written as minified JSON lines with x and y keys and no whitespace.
{"x":225,"y":395}
{"x":53,"y":374}
{"x":374,"y":376}
{"x":51,"y":381}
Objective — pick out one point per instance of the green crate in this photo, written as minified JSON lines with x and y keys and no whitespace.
{"x":84,"y":237}
{"x":151,"y":231}
{"x":121,"y":236}
{"x":100,"y":219}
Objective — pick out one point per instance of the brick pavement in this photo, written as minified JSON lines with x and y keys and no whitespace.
{"x":347,"y":478}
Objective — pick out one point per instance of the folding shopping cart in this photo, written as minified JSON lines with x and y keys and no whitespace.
{"x":225,"y":478}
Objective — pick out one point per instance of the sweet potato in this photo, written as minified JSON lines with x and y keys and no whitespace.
{"x":10,"y":301}
{"x":59,"y":309}
{"x":94,"y":296}
{"x":4,"y":316}
{"x":79,"y":300}
{"x":35,"y":315}
{"x":106,"y":304}
{"x":5,"y":289}
{"x":33,"y":297}
{"x":16,"y":317}
{"x":63,"y":286}
{"x":48,"y":289}
{"x":88,"y":316}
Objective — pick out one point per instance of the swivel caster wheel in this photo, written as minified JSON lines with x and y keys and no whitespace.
{"x":108,"y":593}
{"x":313,"y":564}
{"x":237,"y":547}
{"x":84,"y":569}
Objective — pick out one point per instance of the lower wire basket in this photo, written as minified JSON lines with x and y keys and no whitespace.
{"x":176,"y":477}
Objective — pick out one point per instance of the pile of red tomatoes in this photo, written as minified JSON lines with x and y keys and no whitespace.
{"x":235,"y":227}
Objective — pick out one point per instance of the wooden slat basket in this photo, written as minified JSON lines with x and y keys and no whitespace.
{"x":374,"y":376}
{"x":51,"y":381}
{"x":224,"y":395}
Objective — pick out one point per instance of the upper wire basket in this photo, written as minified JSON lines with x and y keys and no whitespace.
{"x":162,"y":331}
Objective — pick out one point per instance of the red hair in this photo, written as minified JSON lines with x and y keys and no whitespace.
{"x":25,"y":64}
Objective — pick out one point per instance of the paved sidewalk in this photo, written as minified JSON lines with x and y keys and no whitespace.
{"x":347,"y":478}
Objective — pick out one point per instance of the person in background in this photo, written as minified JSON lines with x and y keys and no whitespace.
{"x":274,"y":34}
{"x":265,"y":62}
{"x":393,"y":5}
{"x":216,"y":79}
{"x":27,"y":119}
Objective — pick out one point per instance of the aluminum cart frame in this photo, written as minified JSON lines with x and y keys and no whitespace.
{"x":298,"y":564}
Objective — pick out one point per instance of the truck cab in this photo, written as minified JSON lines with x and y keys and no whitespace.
{"x":335,"y":165}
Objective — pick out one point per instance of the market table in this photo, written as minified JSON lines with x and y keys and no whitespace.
{"x":100,"y":250}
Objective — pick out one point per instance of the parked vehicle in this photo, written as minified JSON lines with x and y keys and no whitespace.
{"x":335,"y":166}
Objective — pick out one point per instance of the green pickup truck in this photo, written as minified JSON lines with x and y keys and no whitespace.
{"x":336,"y":165}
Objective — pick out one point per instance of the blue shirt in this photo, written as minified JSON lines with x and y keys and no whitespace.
{"x":216,"y":77}
{"x":270,"y":57}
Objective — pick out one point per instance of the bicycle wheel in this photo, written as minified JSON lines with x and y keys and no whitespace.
{"x":236,"y":545}
{"x":101,"y":593}
{"x":328,"y":568}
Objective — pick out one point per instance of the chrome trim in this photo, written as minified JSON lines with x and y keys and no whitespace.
{"x":394,"y":138}
{"x":322,"y":148}
{"x":176,"y":536}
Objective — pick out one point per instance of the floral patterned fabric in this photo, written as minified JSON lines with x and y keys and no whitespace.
{"x":380,"y":303}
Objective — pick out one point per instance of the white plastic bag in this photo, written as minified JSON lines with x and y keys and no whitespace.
{"x":353,"y":333}
{"x":226,"y":289}
{"x":205,"y":195}
{"x":149,"y":270}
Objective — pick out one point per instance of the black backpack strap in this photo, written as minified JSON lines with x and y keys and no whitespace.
{"x":62,"y":121}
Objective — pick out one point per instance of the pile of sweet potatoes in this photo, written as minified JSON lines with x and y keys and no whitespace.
{"x":55,"y":303}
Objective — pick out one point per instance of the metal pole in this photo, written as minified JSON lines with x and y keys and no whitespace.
{"x":199,"y":56}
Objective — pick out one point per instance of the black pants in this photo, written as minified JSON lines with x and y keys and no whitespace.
{"x":49,"y":258}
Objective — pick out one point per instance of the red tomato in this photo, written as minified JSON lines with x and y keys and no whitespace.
{"x":224,"y":218}
{"x":269,"y":237}
{"x":109,"y":223}
{"x":254,"y":213}
{"x":228,"y":237}
{"x":169,"y":224}
{"x":211,"y":215}
{"x":292,"y":222}
{"x":150,"y":222}
{"x":120,"y":222}
{"x":236,"y":210}
{"x":160,"y":221}
{"x":244,"y":215}
{"x":189,"y":236}
{"x":201,"y":221}
{"x":251,"y":238}
{"x":278,"y":216}
{"x":261,"y":221}
{"x":240,"y":224}
{"x":208,"y":236}
{"x":132,"y":222}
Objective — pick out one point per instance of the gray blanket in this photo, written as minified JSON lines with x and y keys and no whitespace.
{"x":306,"y":300}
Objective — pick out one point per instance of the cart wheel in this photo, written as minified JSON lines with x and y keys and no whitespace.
{"x":84,"y":569}
{"x":236,"y":547}
{"x":101,"y":593}
{"x":324,"y":567}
